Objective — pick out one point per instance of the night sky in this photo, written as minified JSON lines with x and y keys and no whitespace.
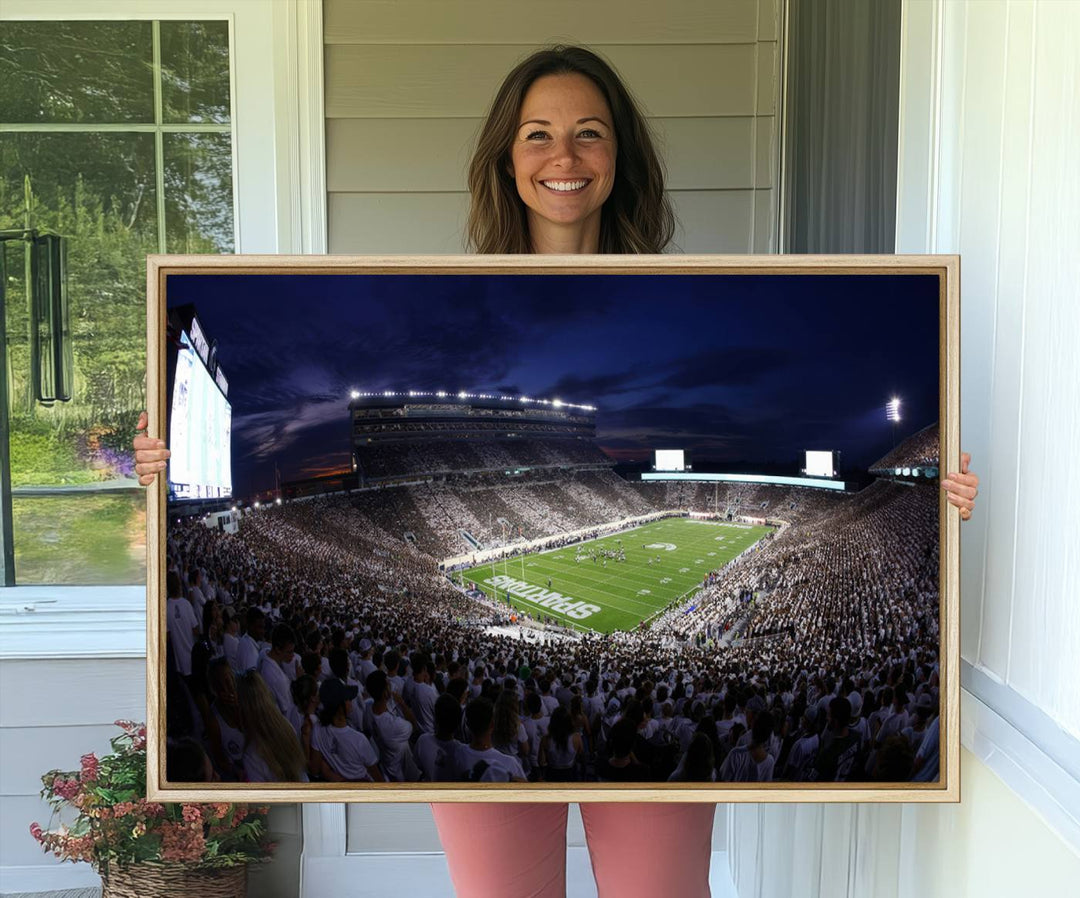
{"x":741,"y":371}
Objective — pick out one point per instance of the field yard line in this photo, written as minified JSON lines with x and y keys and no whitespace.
{"x":489,"y":589}
{"x":622,"y":597}
{"x":633,"y":575}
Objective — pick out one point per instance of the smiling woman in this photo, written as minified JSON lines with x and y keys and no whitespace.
{"x":563,"y":162}
{"x":560,"y":118}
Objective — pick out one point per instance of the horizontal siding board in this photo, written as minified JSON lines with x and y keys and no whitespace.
{"x":106,"y":690}
{"x":713,"y":221}
{"x":17,"y":846}
{"x":768,"y":27}
{"x":709,"y":221}
{"x":391,"y":155}
{"x":374,"y":81}
{"x":765,"y":224}
{"x":28,"y":752}
{"x":397,"y":222}
{"x":706,"y":153}
{"x":557,"y":21}
{"x":765,"y":152}
{"x":390,"y":827}
{"x":768,"y":78}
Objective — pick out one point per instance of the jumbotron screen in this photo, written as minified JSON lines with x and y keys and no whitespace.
{"x":670,"y":460}
{"x":200,"y":430}
{"x":819,"y":464}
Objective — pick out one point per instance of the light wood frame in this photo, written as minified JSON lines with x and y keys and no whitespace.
{"x":945,"y":267}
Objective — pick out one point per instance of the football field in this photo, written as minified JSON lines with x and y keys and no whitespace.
{"x":665,"y":560}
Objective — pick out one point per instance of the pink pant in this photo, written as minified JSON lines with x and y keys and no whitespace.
{"x":642,"y":850}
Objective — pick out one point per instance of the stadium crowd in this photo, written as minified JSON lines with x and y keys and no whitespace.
{"x":319,"y":644}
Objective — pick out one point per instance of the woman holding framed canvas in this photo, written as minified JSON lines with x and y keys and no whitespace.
{"x":565,"y":164}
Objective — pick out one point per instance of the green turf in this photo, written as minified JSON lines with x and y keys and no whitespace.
{"x":80,"y":539}
{"x":624,"y":592}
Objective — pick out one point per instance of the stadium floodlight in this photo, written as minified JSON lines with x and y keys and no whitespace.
{"x":441,"y":394}
{"x":892,"y":410}
{"x":557,"y":403}
{"x":355,"y":394}
{"x":278,"y":500}
{"x":256,"y":503}
{"x":462,"y":394}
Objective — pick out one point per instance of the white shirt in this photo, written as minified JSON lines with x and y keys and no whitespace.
{"x":535,"y":730}
{"x":247,"y":656}
{"x":800,"y":760}
{"x":740,"y":767}
{"x":392,"y":738}
{"x":232,"y":649}
{"x":423,"y":705}
{"x":500,"y":768}
{"x":258,"y":771}
{"x":437,"y":759}
{"x":279,"y":683}
{"x":180,"y":625}
{"x":347,"y":751}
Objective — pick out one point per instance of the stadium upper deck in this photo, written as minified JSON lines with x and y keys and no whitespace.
{"x":488,"y":431}
{"x":391,"y":416}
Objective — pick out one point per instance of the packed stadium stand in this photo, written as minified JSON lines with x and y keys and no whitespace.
{"x":812,"y":657}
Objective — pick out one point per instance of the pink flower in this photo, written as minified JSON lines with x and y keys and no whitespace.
{"x":89,"y":768}
{"x":36,"y":832}
{"x":192,"y":814}
{"x":65,"y":788}
{"x":181,"y":842}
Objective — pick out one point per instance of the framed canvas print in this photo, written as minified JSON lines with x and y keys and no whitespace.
{"x":553,"y":528}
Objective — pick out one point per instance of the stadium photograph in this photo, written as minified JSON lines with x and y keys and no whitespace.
{"x":552,"y":528}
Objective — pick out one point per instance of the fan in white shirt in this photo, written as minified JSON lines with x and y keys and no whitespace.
{"x":392,"y":733}
{"x":438,"y":754}
{"x":479,"y":761}
{"x":345,"y":754}
{"x":281,"y":653}
{"x":423,"y":697}
{"x":251,"y":641}
{"x":182,"y":627}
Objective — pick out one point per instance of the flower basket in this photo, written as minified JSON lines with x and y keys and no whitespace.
{"x":146,"y":849}
{"x":173,"y":881}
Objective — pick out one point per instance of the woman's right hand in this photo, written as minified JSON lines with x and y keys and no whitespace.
{"x":150,"y":454}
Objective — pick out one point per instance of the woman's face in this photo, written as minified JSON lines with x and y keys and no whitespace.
{"x":563,"y":154}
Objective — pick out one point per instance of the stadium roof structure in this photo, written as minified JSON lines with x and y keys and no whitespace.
{"x":361,"y":397}
{"x":917,"y":456}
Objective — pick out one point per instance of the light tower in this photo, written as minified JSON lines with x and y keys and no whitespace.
{"x":892,"y":413}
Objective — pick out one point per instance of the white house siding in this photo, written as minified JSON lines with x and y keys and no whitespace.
{"x":989,"y":142}
{"x":408,"y":83}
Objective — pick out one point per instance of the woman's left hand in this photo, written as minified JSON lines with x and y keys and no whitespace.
{"x":961,"y":489}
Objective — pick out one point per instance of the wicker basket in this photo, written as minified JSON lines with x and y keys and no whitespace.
{"x":173,"y":881}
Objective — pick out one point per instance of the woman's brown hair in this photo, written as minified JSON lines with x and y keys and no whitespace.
{"x":636,"y":218}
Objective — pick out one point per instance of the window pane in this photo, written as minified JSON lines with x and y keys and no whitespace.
{"x":98,"y":191}
{"x":76,"y":72}
{"x":198,"y":193}
{"x":195,"y":72}
{"x":81,"y":539}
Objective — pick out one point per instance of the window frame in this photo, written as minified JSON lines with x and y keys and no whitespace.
{"x":279,"y":206}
